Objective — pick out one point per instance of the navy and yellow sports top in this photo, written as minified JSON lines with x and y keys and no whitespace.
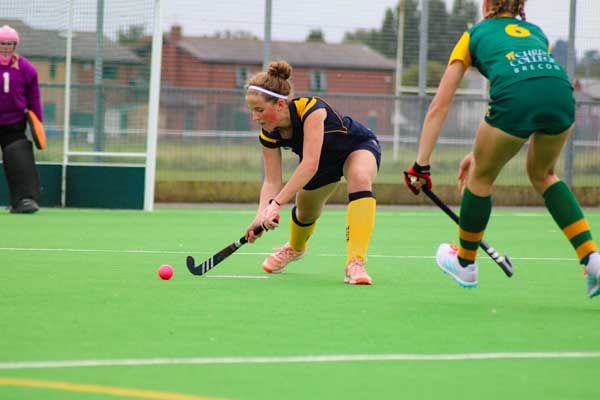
{"x":507,"y":50}
{"x":341,"y":131}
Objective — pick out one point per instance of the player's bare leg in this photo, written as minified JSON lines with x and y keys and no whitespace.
{"x":308,"y":208}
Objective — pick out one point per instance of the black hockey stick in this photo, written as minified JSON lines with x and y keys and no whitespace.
{"x":212,"y":262}
{"x":502,"y":261}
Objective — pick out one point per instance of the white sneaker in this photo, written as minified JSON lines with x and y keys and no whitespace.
{"x":592,"y":271}
{"x":447,"y":260}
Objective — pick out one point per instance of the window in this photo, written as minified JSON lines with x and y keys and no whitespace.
{"x":52,"y":70}
{"x":317,"y":81}
{"x":49,"y":113}
{"x":241,"y":76}
{"x":123,"y":120}
{"x":109,"y":72}
{"x":190,"y":119}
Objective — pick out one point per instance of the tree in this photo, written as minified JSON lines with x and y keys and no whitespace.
{"x":560,"y":51}
{"x":444,"y":30}
{"x":464,"y":14}
{"x":315,"y":35}
{"x":227,"y":34}
{"x":387,"y":38}
{"x":411,"y":35}
{"x":384,"y":40}
{"x":437,"y":31}
{"x":370,"y":38}
{"x":591,"y":56}
{"x":435,"y":70}
{"x":133,"y":34}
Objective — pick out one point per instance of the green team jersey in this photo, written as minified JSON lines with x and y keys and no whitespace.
{"x":507,"y":50}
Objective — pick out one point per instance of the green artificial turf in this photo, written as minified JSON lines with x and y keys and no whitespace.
{"x":83,"y":285}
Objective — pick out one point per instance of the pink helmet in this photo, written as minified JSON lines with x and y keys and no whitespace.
{"x":8,"y":34}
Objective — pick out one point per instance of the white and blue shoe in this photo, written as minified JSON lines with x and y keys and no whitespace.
{"x":447,"y":260}
{"x":592,"y":271}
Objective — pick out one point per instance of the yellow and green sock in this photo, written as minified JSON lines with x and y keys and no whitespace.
{"x":565,"y":209}
{"x":475,"y":213}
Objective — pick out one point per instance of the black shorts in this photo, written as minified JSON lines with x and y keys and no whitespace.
{"x":331,"y":165}
{"x":11,"y":133}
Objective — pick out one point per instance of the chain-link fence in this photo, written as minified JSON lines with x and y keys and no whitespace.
{"x":346,"y":53}
{"x":107,"y":88}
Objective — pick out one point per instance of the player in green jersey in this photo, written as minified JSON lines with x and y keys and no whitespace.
{"x":530,"y":98}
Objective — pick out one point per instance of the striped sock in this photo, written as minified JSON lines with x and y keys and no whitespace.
{"x":360,"y":223}
{"x":474,"y":216}
{"x":300,"y":232}
{"x":565,"y":209}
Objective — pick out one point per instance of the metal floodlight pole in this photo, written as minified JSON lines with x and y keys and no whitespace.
{"x":423,"y":50}
{"x":67,"y":113}
{"x":397,"y":91}
{"x":266,"y":54}
{"x":571,"y":61}
{"x":98,"y":79}
{"x":267,"y":42}
{"x":153,"y":109}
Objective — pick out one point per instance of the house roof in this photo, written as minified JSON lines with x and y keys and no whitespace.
{"x":298,"y":54}
{"x":53,"y":44}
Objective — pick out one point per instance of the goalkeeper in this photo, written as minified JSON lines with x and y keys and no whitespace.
{"x":19,"y":91}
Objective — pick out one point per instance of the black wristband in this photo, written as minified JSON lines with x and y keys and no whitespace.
{"x":275,"y":201}
{"x":422,"y":169}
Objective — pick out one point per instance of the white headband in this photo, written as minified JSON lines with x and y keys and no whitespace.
{"x":261,"y":89}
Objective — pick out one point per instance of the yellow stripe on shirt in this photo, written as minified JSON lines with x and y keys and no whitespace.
{"x":266,"y":138}
{"x":461,"y":51}
{"x":303,"y":105}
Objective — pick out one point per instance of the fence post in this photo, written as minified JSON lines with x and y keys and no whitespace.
{"x":399,"y":61}
{"x":571,"y":60}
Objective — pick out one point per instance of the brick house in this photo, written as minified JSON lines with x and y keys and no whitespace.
{"x":225,"y":64}
{"x":122,"y":68}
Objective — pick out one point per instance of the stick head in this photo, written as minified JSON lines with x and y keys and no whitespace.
{"x":191,"y":263}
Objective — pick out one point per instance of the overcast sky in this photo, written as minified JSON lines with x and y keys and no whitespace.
{"x":292,"y":20}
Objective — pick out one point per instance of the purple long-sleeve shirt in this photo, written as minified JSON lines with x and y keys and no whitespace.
{"x":19,"y":90}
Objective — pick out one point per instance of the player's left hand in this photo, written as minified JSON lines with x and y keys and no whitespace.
{"x":418,"y":176}
{"x":463,"y":172}
{"x":270,"y":215}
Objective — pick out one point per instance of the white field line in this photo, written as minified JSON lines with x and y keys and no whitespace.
{"x":236,"y":277}
{"x":141,"y":251}
{"x":14,"y":365}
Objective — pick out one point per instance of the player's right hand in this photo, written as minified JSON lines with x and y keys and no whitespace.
{"x":251,"y":231}
{"x":418,"y":176}
{"x":250,"y":235}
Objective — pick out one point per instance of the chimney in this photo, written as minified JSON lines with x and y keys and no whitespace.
{"x":176,"y":31}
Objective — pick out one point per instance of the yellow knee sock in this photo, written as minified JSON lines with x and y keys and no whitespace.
{"x":300,"y":232}
{"x":360,"y":224}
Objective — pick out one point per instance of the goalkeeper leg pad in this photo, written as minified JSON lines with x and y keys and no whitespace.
{"x":21,"y":176}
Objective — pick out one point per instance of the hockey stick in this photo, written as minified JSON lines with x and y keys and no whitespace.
{"x":502,"y":261}
{"x":212,"y":262}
